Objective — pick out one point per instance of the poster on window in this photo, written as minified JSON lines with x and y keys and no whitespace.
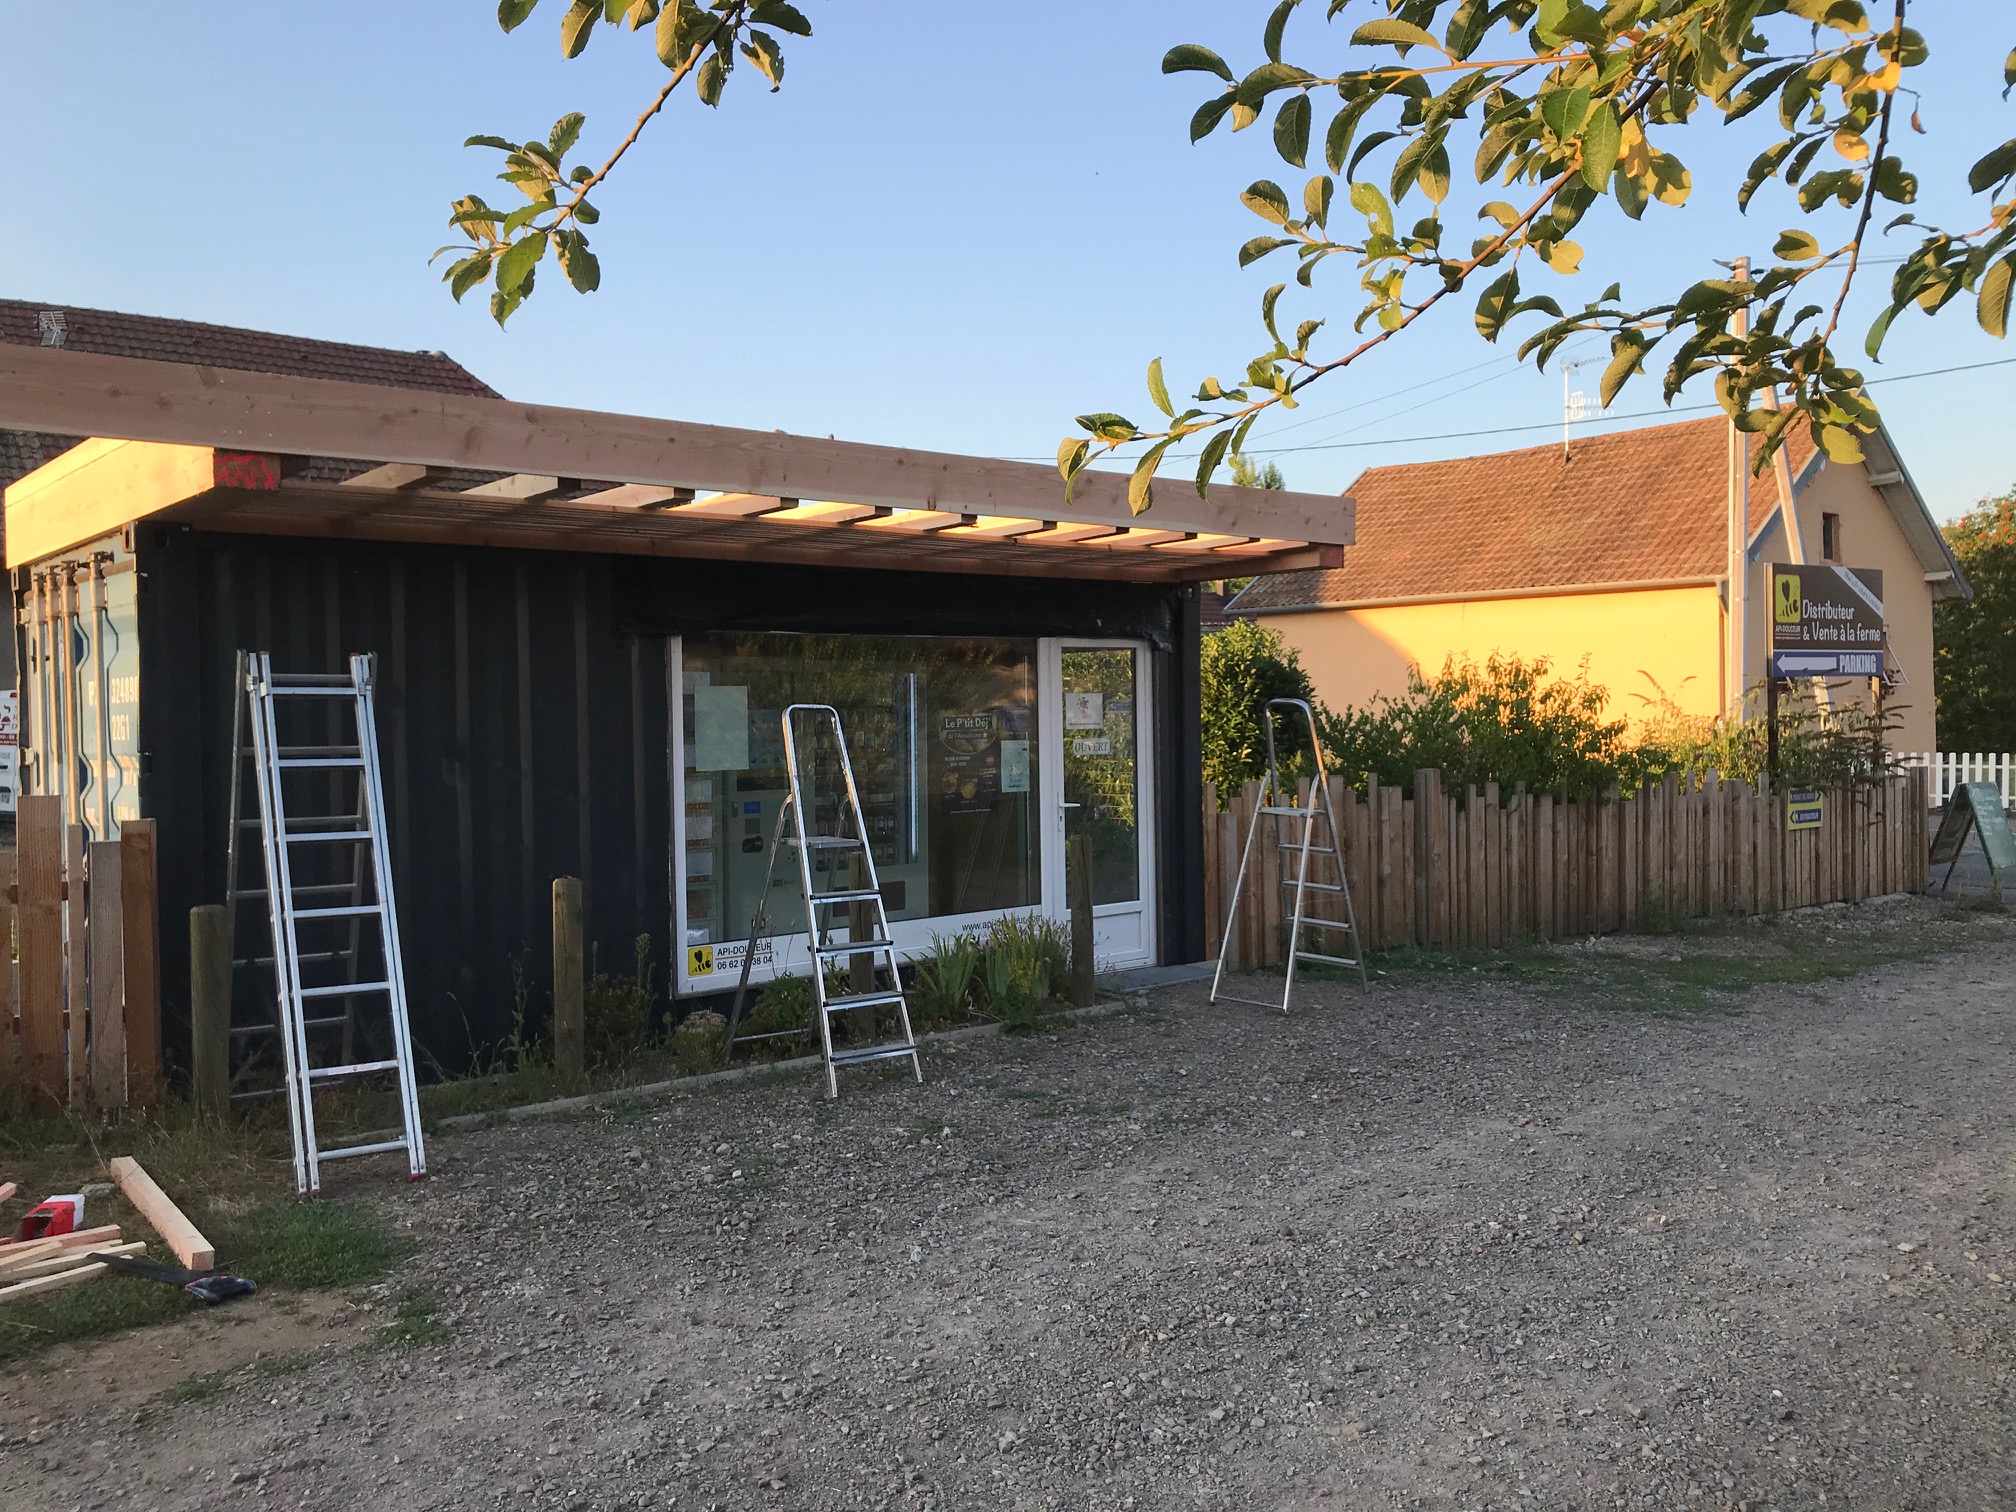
{"x":1084,"y":711}
{"x":969,"y":763}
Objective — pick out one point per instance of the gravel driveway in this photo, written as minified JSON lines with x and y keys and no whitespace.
{"x":1470,"y":1241}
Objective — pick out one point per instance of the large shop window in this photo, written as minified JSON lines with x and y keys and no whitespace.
{"x":941,"y":732}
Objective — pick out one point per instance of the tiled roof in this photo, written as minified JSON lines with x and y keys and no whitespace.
{"x":111,"y":333}
{"x":1639,"y":506}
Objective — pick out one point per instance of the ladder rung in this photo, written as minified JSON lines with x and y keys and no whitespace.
{"x":336,"y":687}
{"x":854,"y":947}
{"x":318,"y":1023}
{"x":345,"y":989}
{"x":305,"y":819}
{"x":1289,"y":810}
{"x":352,"y":749}
{"x":1326,"y":923}
{"x":861,"y":896}
{"x":312,"y":837}
{"x":370,"y":1149}
{"x":823,"y":842}
{"x":1327,"y":960}
{"x":321,"y":761}
{"x":330,"y":1073}
{"x":1314,"y":850}
{"x":872,"y":1053}
{"x":1329,"y":887}
{"x":300,"y":888}
{"x":861,"y":1000}
{"x":347,"y":911}
{"x":308,"y":955}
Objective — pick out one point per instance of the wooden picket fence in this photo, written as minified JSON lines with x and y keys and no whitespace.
{"x":1486,"y":869}
{"x":80,"y":1023}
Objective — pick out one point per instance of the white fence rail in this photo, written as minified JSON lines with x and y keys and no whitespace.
{"x":1950,"y":769}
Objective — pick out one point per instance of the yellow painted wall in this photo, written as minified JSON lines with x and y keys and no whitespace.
{"x":1869,"y":538}
{"x":1638,"y":642}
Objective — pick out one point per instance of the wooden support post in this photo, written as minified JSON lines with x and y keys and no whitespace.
{"x":39,"y":838}
{"x":570,"y":1046}
{"x":1078,"y":891}
{"x":210,"y":1011}
{"x":10,"y":1044}
{"x":77,"y":966}
{"x":107,"y":987}
{"x":142,"y":948}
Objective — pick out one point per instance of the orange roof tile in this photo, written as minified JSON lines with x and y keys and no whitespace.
{"x":1636,"y":506}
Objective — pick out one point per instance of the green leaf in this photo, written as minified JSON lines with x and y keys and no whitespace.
{"x":1141,"y":482}
{"x":1277,"y":23}
{"x":1207,"y":463}
{"x":1208,"y":115}
{"x":515,"y":267}
{"x":1879,"y":329}
{"x":1840,"y":443}
{"x":1258,"y":248}
{"x":1434,"y":174}
{"x":1291,"y":130}
{"x":1994,"y":169}
{"x":1561,"y":256}
{"x":1402,"y":34}
{"x":1109,"y":427}
{"x":466,"y":274}
{"x":1158,"y":390}
{"x":491,"y":141}
{"x":503,"y":306}
{"x":1494,"y":305}
{"x":784,"y":18}
{"x":1188,"y":57}
{"x":1627,"y":356}
{"x":1267,"y":302}
{"x":580,"y":265}
{"x":1564,"y":111}
{"x":712,"y":76}
{"x":511,"y":12}
{"x":1370,"y":203}
{"x":1266,"y":200}
{"x":1304,"y":331}
{"x":1372,"y":140}
{"x":566,"y":132}
{"x":1796,"y":246}
{"x":1602,"y":141}
{"x":1894,"y":183}
{"x":1072,"y":453}
{"x":1316,"y":198}
{"x":762,"y":51}
{"x":1992,"y":306}
{"x":577,"y":27}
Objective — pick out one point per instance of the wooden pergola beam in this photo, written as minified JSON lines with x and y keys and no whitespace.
{"x":82,"y":394}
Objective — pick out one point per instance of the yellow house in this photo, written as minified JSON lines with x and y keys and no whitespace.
{"x":1614,"y":554}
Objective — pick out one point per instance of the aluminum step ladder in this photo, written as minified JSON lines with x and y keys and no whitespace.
{"x":1307,"y":831}
{"x":328,"y":889}
{"x":819,"y":857}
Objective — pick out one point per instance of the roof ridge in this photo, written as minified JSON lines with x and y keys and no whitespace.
{"x":36,"y":307}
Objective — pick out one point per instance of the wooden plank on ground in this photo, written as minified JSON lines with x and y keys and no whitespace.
{"x":40,"y":1284}
{"x":55,"y":1264}
{"x":39,"y":857}
{"x":180,"y":1235}
{"x":106,"y":987}
{"x":16,"y":1254}
{"x":141,"y":947}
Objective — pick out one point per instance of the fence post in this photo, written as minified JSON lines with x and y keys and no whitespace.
{"x":39,"y":858}
{"x":76,"y":949}
{"x":1078,"y":890}
{"x":210,"y":1011}
{"x":141,"y":940}
{"x":569,"y":1025}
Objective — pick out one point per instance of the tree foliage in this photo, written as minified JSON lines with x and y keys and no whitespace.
{"x":1246,"y":473}
{"x":1242,"y":666}
{"x":1974,"y":659}
{"x":1572,"y":108}
{"x":504,"y":247}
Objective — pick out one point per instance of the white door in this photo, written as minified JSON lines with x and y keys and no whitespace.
{"x":1099,"y":771}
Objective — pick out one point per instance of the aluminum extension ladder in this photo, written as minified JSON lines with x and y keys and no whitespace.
{"x":816,"y":854}
{"x":326,"y":870}
{"x":1297,"y":828}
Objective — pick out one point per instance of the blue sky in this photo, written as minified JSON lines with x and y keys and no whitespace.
{"x":956,"y":227}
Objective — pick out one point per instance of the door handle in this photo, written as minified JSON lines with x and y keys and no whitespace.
{"x":1067,"y":805}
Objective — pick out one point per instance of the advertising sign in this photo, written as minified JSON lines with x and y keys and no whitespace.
{"x":1826,"y":621}
{"x":1803,"y":809}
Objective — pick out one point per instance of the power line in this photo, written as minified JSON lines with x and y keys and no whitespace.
{"x":1548,"y":425}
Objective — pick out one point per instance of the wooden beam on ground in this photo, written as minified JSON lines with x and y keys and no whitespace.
{"x":180,"y":1235}
{"x":56,"y":1282}
{"x":74,"y":393}
{"x":56,"y":1264}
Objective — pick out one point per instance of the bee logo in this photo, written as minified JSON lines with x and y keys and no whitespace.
{"x":1785,"y":592}
{"x":700,"y":960}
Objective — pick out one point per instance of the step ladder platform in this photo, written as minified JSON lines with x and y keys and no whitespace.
{"x":1327,"y":960}
{"x":894,"y":1050}
{"x":825,"y":842}
{"x":861,"y":1000}
{"x":857,"y":895}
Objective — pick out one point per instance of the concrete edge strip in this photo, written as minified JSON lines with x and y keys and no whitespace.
{"x":521,"y":1111}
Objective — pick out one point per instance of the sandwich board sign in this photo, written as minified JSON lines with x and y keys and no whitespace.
{"x":1975,"y":806}
{"x":1826,"y":621}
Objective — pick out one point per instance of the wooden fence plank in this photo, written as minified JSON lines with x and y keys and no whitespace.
{"x":106,"y":988}
{"x":10,"y":1020}
{"x":77,"y":964}
{"x":141,"y":939}
{"x":39,"y":855}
